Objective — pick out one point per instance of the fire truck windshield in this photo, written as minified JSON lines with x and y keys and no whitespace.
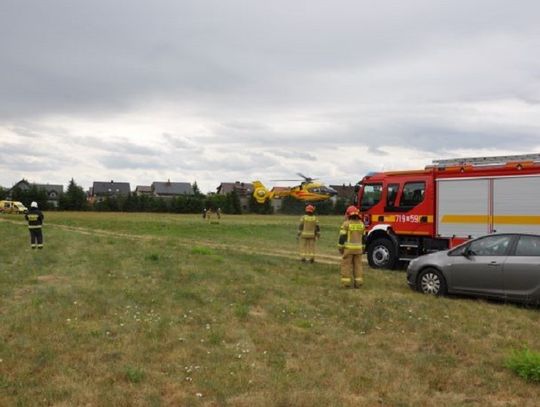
{"x":371,"y":195}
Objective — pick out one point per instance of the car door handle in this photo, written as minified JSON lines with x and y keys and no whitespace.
{"x":493,"y":264}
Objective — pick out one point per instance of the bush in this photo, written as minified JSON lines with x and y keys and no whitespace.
{"x":525,"y":363}
{"x":152,"y":257}
{"x":133,"y":374}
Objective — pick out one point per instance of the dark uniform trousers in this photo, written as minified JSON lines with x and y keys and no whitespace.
{"x":36,"y":238}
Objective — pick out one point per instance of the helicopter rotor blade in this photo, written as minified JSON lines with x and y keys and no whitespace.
{"x":291,"y":180}
{"x":307,"y":179}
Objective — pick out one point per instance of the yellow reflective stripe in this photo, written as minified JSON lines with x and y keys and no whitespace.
{"x":356,"y":227}
{"x":34,"y":226}
{"x":353,"y":246}
{"x":345,"y":279}
{"x":465,"y":219}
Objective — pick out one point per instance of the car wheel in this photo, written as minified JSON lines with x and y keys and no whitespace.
{"x":431,"y":281}
{"x":382,"y":254}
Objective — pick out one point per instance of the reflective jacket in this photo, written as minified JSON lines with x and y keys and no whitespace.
{"x":34,"y":218}
{"x":309,"y":227}
{"x":350,"y":235}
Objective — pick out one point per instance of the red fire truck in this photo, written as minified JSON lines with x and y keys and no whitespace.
{"x":410,"y":213}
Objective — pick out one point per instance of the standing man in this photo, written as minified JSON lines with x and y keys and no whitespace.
{"x":35,"y":221}
{"x":308,"y":231}
{"x":350,"y":246}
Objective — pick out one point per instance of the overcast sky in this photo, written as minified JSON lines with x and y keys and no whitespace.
{"x":227,"y":90}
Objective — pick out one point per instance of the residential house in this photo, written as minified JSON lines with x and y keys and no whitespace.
{"x":242,"y":189}
{"x":102,"y":189}
{"x":171,"y":189}
{"x":54,"y":191}
{"x":345,"y":192}
{"x":143,"y":190}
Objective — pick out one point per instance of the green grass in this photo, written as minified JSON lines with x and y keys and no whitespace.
{"x":526,"y":364}
{"x":147,"y":309}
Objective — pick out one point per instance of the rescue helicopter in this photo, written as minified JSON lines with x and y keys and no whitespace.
{"x":309,"y":190}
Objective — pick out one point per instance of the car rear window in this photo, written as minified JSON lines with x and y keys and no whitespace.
{"x":528,"y":246}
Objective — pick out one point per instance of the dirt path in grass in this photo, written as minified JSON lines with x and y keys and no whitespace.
{"x":320,"y":258}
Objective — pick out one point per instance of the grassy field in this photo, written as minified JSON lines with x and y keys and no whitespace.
{"x":166,"y":310}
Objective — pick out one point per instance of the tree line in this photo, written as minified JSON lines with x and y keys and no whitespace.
{"x":75,"y":199}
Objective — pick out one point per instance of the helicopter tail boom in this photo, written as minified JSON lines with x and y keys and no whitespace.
{"x":261,"y":193}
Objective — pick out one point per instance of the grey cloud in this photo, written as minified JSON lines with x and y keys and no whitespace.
{"x":246,"y":126}
{"x":278,"y":87}
{"x":116,"y":145}
{"x":104,"y":57}
{"x":298,"y":154}
{"x":24,"y":163}
{"x":183,"y":143}
{"x":376,"y":151}
{"x":116,"y":162}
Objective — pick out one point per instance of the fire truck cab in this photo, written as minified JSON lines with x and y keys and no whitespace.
{"x":410,"y":213}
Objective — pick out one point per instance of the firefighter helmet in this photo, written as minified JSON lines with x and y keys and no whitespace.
{"x":310,"y":209}
{"x":33,"y":204}
{"x":351,"y":211}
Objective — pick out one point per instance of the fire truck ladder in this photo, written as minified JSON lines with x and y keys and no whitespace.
{"x":486,"y":160}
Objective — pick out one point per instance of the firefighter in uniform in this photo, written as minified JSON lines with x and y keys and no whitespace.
{"x":350,"y":246}
{"x":35,"y":221}
{"x":308,"y":232}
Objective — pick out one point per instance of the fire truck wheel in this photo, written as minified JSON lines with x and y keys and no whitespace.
{"x":431,"y":281}
{"x":382,"y":254}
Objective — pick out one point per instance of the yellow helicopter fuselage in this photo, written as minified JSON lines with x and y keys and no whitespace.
{"x":308,"y":192}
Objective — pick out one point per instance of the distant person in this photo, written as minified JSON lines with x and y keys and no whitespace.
{"x":204,"y":213}
{"x":35,"y":221}
{"x":350,"y":247}
{"x":218,"y":213}
{"x":209,"y":214}
{"x":308,"y":232}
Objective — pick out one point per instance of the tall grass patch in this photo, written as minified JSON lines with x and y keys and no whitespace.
{"x":525,"y":363}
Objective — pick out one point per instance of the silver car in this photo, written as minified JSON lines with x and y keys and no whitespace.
{"x":505,"y":266}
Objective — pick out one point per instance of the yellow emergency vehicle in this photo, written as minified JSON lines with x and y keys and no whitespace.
{"x":12,"y":207}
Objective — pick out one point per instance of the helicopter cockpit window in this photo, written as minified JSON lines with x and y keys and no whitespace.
{"x":371,"y":195}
